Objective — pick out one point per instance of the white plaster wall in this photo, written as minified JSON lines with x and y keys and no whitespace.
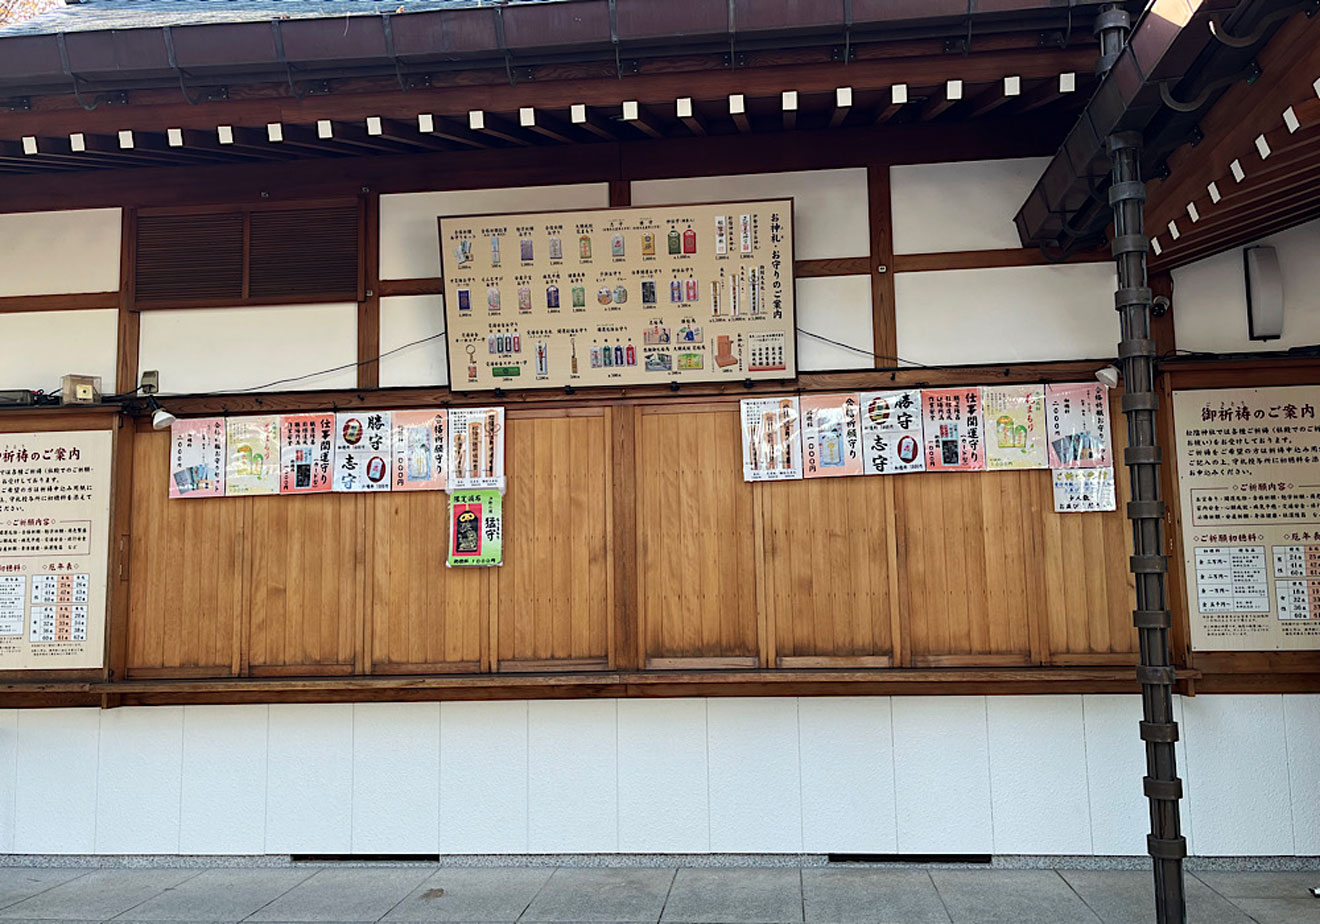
{"x":967,"y":205}
{"x":53,"y":253}
{"x":1210,"y":301}
{"x":829,"y":206}
{"x":37,"y":347}
{"x":934,"y":774}
{"x":1008,"y":314}
{"x":410,"y":237}
{"x":227,"y":349}
{"x":405,"y":320}
{"x":837,"y":308}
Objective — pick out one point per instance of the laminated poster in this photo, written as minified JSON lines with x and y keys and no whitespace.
{"x":954,"y":433}
{"x":891,"y":432}
{"x":831,"y":435}
{"x":197,"y":457}
{"x":1077,"y":425}
{"x":476,"y":529}
{"x":419,"y":450}
{"x":1015,"y":427}
{"x":476,"y":448}
{"x":307,"y":453}
{"x":253,"y":451}
{"x":362,"y":451}
{"x":771,"y":439}
{"x":1083,"y":490}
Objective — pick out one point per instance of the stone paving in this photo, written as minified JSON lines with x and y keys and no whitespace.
{"x":559,"y":895}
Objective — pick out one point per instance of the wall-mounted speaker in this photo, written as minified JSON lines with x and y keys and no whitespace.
{"x":1264,"y":292}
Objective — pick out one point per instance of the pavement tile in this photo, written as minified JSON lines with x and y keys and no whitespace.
{"x":218,"y":895}
{"x":871,"y":896}
{"x":596,"y":896}
{"x":343,"y":895}
{"x":97,"y":895}
{"x":471,"y":895}
{"x":1281,"y":910}
{"x":1263,"y":885}
{"x":735,"y":896}
{"x":1005,"y":896}
{"x":18,"y":883}
{"x":1128,"y":897}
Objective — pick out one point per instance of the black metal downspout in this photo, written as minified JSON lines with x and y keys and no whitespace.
{"x":1150,"y":566}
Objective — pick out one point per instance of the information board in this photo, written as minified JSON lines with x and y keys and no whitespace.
{"x":54,"y":548}
{"x":1249,"y":491}
{"x":624,"y":296}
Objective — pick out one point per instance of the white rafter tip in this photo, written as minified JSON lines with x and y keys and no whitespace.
{"x":1068,"y":82}
{"x":526,"y":116}
{"x":1013,"y":86}
{"x":843,"y":97}
{"x":898,"y":94}
{"x":1262,"y":146}
{"x":1238,"y":173}
{"x":788,"y":100}
{"x":1316,"y":86}
{"x":29,"y":144}
{"x":325,"y":129}
{"x":1213,"y":190}
{"x":174,"y":137}
{"x":953,"y":89}
{"x":1290,"y":119}
{"x":737,"y":104}
{"x":375,"y":126}
{"x":683,"y":107}
{"x":126,"y":139}
{"x":224,"y":134}
{"x":1173,"y":230}
{"x":78,"y":142}
{"x":274,"y":132}
{"x":1155,"y":246}
{"x":476,"y":119}
{"x":578,"y":113}
{"x":1192,"y":213}
{"x":425,"y":123}
{"x":631,"y":110}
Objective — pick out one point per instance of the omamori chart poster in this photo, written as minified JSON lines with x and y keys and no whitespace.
{"x":831,"y":435}
{"x":54,"y":548}
{"x":954,"y":433}
{"x":1077,"y":425}
{"x":620,"y":296}
{"x":476,"y":529}
{"x":771,"y":439}
{"x":419,"y":450}
{"x":891,"y":432}
{"x":1083,"y":490}
{"x":307,"y":453}
{"x":1015,"y":427}
{"x":197,"y":457}
{"x":252,"y":450}
{"x":1249,"y":491}
{"x":363,"y":450}
{"x":476,"y":449}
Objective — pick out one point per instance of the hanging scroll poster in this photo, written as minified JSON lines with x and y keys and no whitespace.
{"x":252,"y":456}
{"x":476,"y":529}
{"x":1015,"y":427}
{"x":1077,"y":425}
{"x":625,"y":296}
{"x":891,"y":432}
{"x":476,"y":449}
{"x":307,"y":453}
{"x":54,"y":548}
{"x":362,"y":451}
{"x":771,"y":439}
{"x":197,"y":457}
{"x":951,"y":421}
{"x":1249,"y":490}
{"x":831,"y":435}
{"x":419,"y":450}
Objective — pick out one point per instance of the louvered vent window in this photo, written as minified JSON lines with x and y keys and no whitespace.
{"x":248,"y":257}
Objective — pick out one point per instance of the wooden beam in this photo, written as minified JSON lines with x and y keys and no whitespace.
{"x":544,"y":125}
{"x":1047,"y":91}
{"x":688,"y":116}
{"x":898,"y":98}
{"x":435,"y":126}
{"x":638,"y":118}
{"x":738,"y":112}
{"x":75,"y":302}
{"x":491,"y":126}
{"x":582,"y":117}
{"x":368,"y":319}
{"x":788,"y":103}
{"x":128,"y":324}
{"x":884,"y":321}
{"x":937,"y":105}
{"x":994,"y":96}
{"x":843,"y":100}
{"x":987,"y":259}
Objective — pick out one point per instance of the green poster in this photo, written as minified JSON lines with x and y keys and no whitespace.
{"x":476,"y":529}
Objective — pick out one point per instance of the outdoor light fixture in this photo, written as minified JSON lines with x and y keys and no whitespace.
{"x":1107,"y":376}
{"x":1264,"y":283}
{"x":161,"y":419}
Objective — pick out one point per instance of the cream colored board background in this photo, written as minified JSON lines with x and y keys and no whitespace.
{"x":604,"y":270}
{"x":95,"y":447}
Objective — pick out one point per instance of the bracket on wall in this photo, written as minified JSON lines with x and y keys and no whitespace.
{"x":18,"y":104}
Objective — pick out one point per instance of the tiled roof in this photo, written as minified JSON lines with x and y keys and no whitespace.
{"x":91,"y":15}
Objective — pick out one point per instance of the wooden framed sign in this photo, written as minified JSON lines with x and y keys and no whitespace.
{"x":625,"y":296}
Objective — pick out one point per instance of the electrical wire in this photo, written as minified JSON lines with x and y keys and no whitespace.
{"x":312,"y":375}
{"x":861,"y":351}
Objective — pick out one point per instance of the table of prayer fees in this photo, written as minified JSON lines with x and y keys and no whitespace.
{"x":59,"y":608}
{"x":1297,"y":581}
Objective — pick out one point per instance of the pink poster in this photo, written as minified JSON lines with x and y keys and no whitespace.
{"x":831,"y":435}
{"x":306,"y":453}
{"x":954,"y":433}
{"x":197,"y":457}
{"x":419,"y":450}
{"x":1077,"y":425}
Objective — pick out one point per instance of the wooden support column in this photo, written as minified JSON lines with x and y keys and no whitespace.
{"x":368,"y":326}
{"x":883,"y":321}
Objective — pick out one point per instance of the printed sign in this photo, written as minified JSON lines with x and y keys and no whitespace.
{"x":419,"y":450}
{"x":954,"y":434}
{"x":476,"y":448}
{"x":307,"y":453}
{"x":253,"y":456}
{"x":476,"y":529}
{"x":1077,"y":425}
{"x":1083,"y":490}
{"x":363,"y":451}
{"x":831,"y":435}
{"x":197,"y":457}
{"x":771,"y":439}
{"x":891,"y":432}
{"x":1015,"y":427}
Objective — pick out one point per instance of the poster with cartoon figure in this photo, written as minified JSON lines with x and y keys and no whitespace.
{"x":252,"y":456}
{"x":1015,"y":427}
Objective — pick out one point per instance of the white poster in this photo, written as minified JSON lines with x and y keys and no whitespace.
{"x":1084,"y":490}
{"x":771,"y":439}
{"x":891,"y":432}
{"x":363,"y":450}
{"x":476,"y":449}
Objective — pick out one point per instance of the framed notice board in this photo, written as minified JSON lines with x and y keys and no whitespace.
{"x":625,"y":296}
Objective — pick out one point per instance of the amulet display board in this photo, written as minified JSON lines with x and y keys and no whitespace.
{"x":627,"y":296}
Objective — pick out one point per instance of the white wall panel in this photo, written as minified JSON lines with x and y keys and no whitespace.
{"x":310,"y":779}
{"x":572,"y":776}
{"x":139,"y":775}
{"x":220,"y":349}
{"x":404,"y":320}
{"x":37,"y":347}
{"x":829,"y":206}
{"x":409,"y":235}
{"x":1210,"y":301}
{"x":942,"y":774}
{"x":396,"y":777}
{"x":755,"y":775}
{"x":1237,"y":775}
{"x":224,"y":780}
{"x":847,"y":775}
{"x":1301,"y":715}
{"x":1008,"y":314}
{"x":483,"y":777}
{"x":664,"y":799}
{"x":51,"y":253}
{"x":969,"y":205}
{"x":837,"y":308}
{"x":55,"y":792}
{"x":8,"y":776}
{"x":1038,"y":775}
{"x":1115,"y":764}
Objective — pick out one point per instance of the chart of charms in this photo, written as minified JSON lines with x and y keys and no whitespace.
{"x":620,"y":296}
